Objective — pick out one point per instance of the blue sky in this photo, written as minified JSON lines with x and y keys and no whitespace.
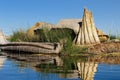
{"x":16,"y":14}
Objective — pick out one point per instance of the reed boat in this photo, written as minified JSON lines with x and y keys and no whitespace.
{"x":32,"y":47}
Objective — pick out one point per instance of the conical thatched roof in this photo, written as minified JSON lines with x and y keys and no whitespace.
{"x":87,"y":32}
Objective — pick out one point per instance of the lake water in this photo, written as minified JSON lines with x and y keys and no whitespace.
{"x":67,"y":68}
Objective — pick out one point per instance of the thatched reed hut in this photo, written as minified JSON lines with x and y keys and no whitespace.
{"x":69,"y":23}
{"x":87,"y":32}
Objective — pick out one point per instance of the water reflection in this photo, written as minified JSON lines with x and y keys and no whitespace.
{"x":57,"y":68}
{"x":87,"y":70}
{"x":74,"y":69}
{"x":2,"y":60}
{"x":65,"y":67}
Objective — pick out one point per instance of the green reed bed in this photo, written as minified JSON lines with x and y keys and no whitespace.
{"x":63,"y":35}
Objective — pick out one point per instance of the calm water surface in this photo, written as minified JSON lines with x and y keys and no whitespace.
{"x":57,"y":69}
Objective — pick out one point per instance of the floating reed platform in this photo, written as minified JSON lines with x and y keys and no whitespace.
{"x":32,"y":47}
